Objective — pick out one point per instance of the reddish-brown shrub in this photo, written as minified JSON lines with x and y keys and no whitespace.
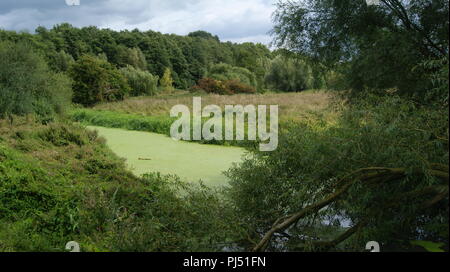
{"x":210,"y":85}
{"x":236,"y":87}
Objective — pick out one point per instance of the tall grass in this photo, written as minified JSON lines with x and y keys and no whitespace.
{"x":151,"y":114}
{"x":293,"y":106}
{"x":156,"y":124}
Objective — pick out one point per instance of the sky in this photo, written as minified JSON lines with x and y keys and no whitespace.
{"x":231,"y":20}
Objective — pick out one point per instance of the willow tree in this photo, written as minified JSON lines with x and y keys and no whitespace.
{"x":378,"y":45}
{"x":378,"y":172}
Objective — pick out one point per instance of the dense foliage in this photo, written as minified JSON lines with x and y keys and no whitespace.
{"x":373,"y":169}
{"x":141,"y":82}
{"x":28,"y":86}
{"x":374,"y":46}
{"x":289,"y":75}
{"x":96,"y":80}
{"x":227,"y":87}
{"x":187,"y":57}
{"x":86,"y":194}
{"x":226,"y":72}
{"x":380,"y":171}
{"x":392,"y":155}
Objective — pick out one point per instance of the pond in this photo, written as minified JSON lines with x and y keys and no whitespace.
{"x":149,"y":152}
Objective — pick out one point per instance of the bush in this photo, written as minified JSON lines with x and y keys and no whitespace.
{"x":72,"y":187}
{"x":141,"y":82}
{"x":289,"y":75}
{"x":96,"y":80}
{"x":225,"y":72}
{"x":156,"y":124}
{"x":436,"y":72}
{"x":28,"y":86}
{"x":236,"y":87}
{"x":210,"y":85}
{"x":228,"y":87}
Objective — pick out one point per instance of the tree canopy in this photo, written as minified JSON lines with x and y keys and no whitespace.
{"x":380,"y":46}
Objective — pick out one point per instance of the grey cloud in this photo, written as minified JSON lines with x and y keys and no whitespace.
{"x":234,"y":20}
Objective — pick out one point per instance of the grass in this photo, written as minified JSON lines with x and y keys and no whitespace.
{"x":60,"y":183}
{"x":292,"y":106}
{"x":151,"y":114}
{"x":156,"y":124}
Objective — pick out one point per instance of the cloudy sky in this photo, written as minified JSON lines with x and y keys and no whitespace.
{"x":231,"y":20}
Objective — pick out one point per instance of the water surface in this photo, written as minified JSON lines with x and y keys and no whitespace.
{"x":149,"y":152}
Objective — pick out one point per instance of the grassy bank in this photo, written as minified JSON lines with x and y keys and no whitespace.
{"x":111,"y":119}
{"x":151,"y":114}
{"x":60,"y":182}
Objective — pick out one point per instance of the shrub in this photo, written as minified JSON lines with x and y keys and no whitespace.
{"x":436,"y":72}
{"x":27,"y":85}
{"x":225,"y":72}
{"x":96,"y":80}
{"x":236,"y":87}
{"x":141,"y":82}
{"x":228,"y":87}
{"x":289,"y":75}
{"x":67,"y":191}
{"x":210,"y":85}
{"x":156,"y":124}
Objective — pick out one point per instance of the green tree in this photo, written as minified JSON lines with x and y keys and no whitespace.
{"x":96,"y":80}
{"x":373,"y":175}
{"x":27,"y":85}
{"x":141,"y":82}
{"x":382,"y":44}
{"x":131,"y":56}
{"x":166,"y":81}
{"x":289,"y":75}
{"x":188,"y":57}
{"x":204,"y":35}
{"x":224,"y":72}
{"x":61,"y":61}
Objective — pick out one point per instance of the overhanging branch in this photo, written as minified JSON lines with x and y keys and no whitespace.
{"x":374,"y":175}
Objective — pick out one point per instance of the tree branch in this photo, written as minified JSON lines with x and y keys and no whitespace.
{"x":371,"y":175}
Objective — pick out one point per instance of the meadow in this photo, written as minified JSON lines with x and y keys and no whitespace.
{"x":152,"y":114}
{"x":293,"y":106}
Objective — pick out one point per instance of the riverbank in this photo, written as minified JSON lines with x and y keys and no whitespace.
{"x":60,"y":182}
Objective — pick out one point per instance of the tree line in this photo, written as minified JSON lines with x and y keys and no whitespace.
{"x":106,"y":65}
